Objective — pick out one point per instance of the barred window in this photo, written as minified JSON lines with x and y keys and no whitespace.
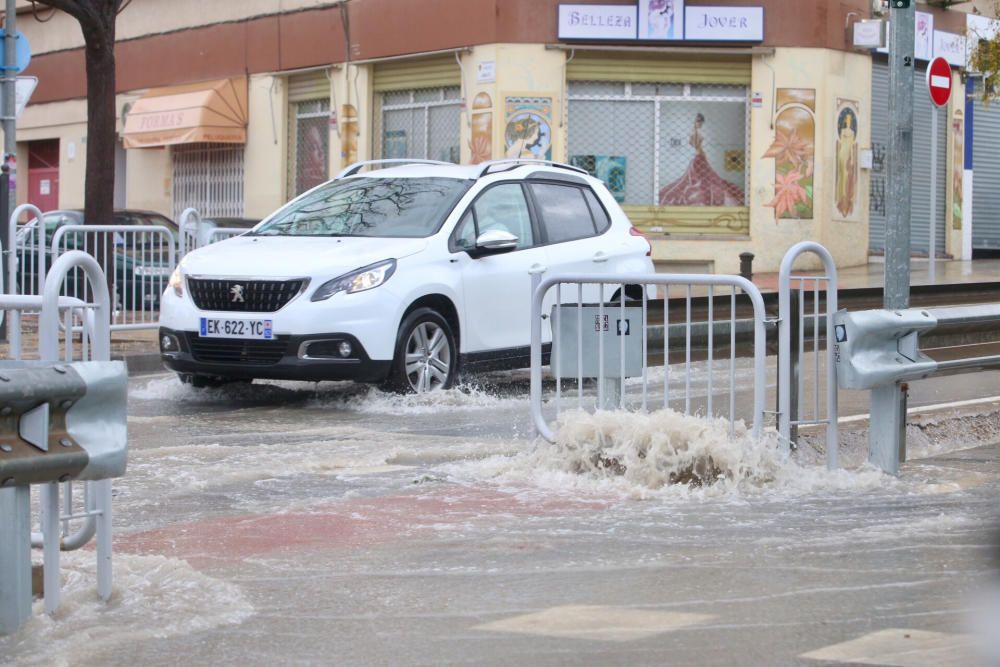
{"x":310,"y":142}
{"x":662,"y":144}
{"x":208,"y":177}
{"x":423,"y":123}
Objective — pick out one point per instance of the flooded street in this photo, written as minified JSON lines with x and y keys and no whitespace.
{"x":284,"y":523}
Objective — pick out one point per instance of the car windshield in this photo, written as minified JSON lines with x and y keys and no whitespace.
{"x":406,"y":207}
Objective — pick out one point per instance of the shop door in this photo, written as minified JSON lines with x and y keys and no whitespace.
{"x":920,"y":204}
{"x":43,"y":174}
{"x":986,"y":177}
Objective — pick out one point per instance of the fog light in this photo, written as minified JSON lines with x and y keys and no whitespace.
{"x":345,"y":349}
{"x":169,"y":344}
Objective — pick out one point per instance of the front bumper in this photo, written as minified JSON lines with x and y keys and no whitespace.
{"x":311,"y":357}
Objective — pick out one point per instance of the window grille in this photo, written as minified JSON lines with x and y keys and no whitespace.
{"x":663,"y":144}
{"x":423,"y":123}
{"x":309,"y":141}
{"x":208,"y":177}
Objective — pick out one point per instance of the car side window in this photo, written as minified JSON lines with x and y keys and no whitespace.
{"x":564,"y":211}
{"x":504,"y":208}
{"x":601,"y":218}
{"x":465,"y":236}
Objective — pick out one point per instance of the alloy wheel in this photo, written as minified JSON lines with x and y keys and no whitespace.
{"x":428,"y":358}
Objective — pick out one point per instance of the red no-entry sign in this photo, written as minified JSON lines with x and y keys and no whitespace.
{"x":939,"y":81}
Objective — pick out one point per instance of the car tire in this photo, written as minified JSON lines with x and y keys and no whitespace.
{"x":632,"y":293}
{"x":426,"y":357}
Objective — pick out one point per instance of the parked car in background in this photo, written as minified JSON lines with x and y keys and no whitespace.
{"x":141,"y":261}
{"x":399,"y":276}
{"x":213,"y":230}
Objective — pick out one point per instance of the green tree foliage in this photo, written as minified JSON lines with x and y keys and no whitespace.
{"x":985,"y":59}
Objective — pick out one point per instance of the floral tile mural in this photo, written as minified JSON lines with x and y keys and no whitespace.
{"x":794,"y":154}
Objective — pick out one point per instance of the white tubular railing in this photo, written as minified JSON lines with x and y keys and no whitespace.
{"x":18,"y":257}
{"x":139,"y":260}
{"x":188,"y":237}
{"x":618,"y":282}
{"x":787,"y":380}
{"x":223,"y":233}
{"x":94,"y":345}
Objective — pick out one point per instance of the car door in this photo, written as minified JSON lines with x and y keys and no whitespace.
{"x":497,"y":287}
{"x":573,"y":232}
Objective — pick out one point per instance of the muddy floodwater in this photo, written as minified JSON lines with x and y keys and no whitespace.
{"x":333,"y":524}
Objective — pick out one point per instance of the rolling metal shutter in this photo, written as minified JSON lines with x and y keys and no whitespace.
{"x":986,"y":178}
{"x":634,"y":67}
{"x":411,"y":74}
{"x":309,"y":86}
{"x":920,"y":200}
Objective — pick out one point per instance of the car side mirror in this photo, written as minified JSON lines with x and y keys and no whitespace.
{"x":494,"y":242}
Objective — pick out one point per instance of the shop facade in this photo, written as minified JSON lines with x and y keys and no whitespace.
{"x":751,"y":137}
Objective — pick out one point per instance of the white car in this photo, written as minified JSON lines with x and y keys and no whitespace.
{"x":401,"y":275}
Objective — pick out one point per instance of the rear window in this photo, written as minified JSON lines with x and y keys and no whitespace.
{"x":373,"y":207}
{"x":564,"y":211}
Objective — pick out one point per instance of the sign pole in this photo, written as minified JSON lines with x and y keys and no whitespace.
{"x":10,"y":94}
{"x":888,"y":404}
{"x":932,"y":250}
{"x":939,"y":85}
{"x":9,"y":88}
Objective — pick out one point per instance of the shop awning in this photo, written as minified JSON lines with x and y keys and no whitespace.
{"x":211,"y":112}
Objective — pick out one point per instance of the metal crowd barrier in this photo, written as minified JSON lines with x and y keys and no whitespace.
{"x":616,"y":321}
{"x":139,"y":260}
{"x":793,"y":317}
{"x":93,"y":419}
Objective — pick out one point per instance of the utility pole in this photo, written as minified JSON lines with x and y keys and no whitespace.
{"x":888,"y":404}
{"x":9,"y":90}
{"x":10,"y":96}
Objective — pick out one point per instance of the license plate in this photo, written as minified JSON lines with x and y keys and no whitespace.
{"x":217,"y":327}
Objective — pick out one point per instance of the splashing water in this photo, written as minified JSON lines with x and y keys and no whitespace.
{"x":154,"y":597}
{"x":660,"y":454}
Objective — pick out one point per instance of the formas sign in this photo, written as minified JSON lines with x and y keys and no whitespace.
{"x":724,"y":24}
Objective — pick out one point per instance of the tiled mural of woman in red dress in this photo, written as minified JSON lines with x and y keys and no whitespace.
{"x":700,"y":185}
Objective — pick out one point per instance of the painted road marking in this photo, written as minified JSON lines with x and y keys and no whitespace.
{"x":598,"y":623}
{"x":901,"y":648}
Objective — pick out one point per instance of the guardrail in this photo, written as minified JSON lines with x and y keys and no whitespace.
{"x":93,"y":445}
{"x":571,"y":351}
{"x":880,"y":350}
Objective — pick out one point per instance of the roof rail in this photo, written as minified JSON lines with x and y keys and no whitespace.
{"x":358,"y":166}
{"x":487,"y":166}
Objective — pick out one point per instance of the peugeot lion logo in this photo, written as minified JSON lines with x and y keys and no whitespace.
{"x":236,"y":291}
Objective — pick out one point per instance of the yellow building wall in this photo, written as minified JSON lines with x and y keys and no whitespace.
{"x":67,"y":122}
{"x":832,"y":75}
{"x":266,"y":155}
{"x":531,"y":69}
{"x":954,"y":112}
{"x":352,"y":98}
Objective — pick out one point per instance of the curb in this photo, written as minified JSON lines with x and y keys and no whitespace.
{"x":141,"y":364}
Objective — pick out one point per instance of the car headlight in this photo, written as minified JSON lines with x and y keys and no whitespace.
{"x":177,"y":282}
{"x":365,"y":278}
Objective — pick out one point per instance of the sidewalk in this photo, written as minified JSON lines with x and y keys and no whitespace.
{"x":948,"y":272}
